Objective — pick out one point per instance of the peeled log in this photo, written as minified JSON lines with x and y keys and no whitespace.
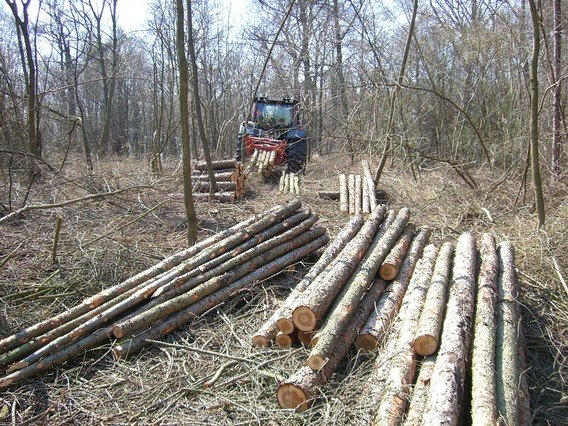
{"x":428,"y":334}
{"x":387,"y":307}
{"x":347,"y":301}
{"x":282,"y":317}
{"x":365,"y":204}
{"x":351,"y":192}
{"x":483,"y":393}
{"x":299,"y":390}
{"x":370,"y":184}
{"x":420,"y":394}
{"x":313,"y":304}
{"x":98,"y":299}
{"x":391,"y":265}
{"x":403,"y":364}
{"x":447,"y":385}
{"x":358,"y":194}
{"x":506,"y":356}
{"x":177,"y":320}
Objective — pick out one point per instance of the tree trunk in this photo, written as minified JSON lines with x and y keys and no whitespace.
{"x":483,"y":394}
{"x":507,"y":339}
{"x":557,"y":95}
{"x":391,"y":265}
{"x":447,"y":385}
{"x":403,"y":364}
{"x":313,"y":304}
{"x":282,"y":317}
{"x":378,"y":323}
{"x":428,"y":334}
{"x":177,"y":320}
{"x":299,"y":390}
{"x":420,"y":393}
{"x":351,"y":294}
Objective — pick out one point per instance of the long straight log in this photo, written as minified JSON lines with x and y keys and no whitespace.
{"x":430,"y":326}
{"x":282,"y":317}
{"x":177,"y":320}
{"x":299,"y":390}
{"x":391,"y":265}
{"x":343,"y":194}
{"x":204,"y":186}
{"x":168,"y":306}
{"x":483,"y":392}
{"x":403,"y":364}
{"x":124,"y":302}
{"x":447,"y":385}
{"x":351,"y":192}
{"x":221,"y":177}
{"x":335,"y":195}
{"x":358,"y":194}
{"x":98,"y":299}
{"x":311,"y":307}
{"x":222,"y":197}
{"x":366,"y":207}
{"x":506,"y":355}
{"x":420,"y":394}
{"x":370,"y":184}
{"x":217,"y":164}
{"x":351,"y":294}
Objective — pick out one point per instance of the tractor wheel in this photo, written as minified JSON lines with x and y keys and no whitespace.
{"x":297,"y":151}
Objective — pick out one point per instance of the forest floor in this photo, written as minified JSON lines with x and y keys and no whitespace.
{"x":105,"y":241}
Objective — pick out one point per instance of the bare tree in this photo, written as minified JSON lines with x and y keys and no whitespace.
{"x":557,"y":95}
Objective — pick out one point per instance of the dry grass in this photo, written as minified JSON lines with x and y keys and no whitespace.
{"x":103,"y":242}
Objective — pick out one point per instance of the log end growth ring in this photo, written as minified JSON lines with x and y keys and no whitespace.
{"x":366,"y":343}
{"x":316,"y":362}
{"x":284,"y":340}
{"x":425,"y":345}
{"x":285,"y":325}
{"x":304,"y":318}
{"x":291,"y":396}
{"x":388,"y":272}
{"x":260,"y":342}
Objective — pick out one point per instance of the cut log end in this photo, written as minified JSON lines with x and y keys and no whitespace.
{"x":425,"y":345}
{"x":304,"y":318}
{"x":119,"y":352}
{"x":306,"y":338}
{"x":291,"y":396}
{"x":366,"y":343}
{"x":260,"y":342}
{"x":285,"y":325}
{"x":284,"y":340}
{"x":117,"y":331}
{"x":316,"y":362}
{"x":388,"y":272}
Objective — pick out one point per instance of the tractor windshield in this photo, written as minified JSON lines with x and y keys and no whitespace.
{"x":270,"y":116}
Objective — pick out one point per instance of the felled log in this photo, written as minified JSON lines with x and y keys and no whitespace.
{"x":159,"y":311}
{"x":447,"y":385}
{"x":420,"y":393}
{"x":370,"y":184}
{"x":282,"y":317}
{"x":205,"y":186}
{"x":98,"y":299}
{"x":366,"y":207}
{"x":305,"y":337}
{"x":297,"y":185}
{"x":391,"y":265}
{"x":483,"y":392}
{"x":299,"y":390}
{"x":222,"y":197}
{"x":428,"y":334}
{"x":286,"y":340}
{"x":253,"y":161}
{"x":177,"y":320}
{"x":388,"y":305}
{"x":216,"y":165}
{"x":351,"y":192}
{"x":380,"y":194}
{"x":506,"y":349}
{"x":224,"y":176}
{"x":403,"y":364}
{"x":358,"y":194}
{"x":347,"y":301}
{"x":311,"y":307}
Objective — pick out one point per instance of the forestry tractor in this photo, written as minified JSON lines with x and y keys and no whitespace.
{"x":274,"y":126}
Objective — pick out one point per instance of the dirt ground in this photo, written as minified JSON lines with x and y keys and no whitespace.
{"x":104,"y":241}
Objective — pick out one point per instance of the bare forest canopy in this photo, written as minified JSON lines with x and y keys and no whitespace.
{"x":72,"y":80}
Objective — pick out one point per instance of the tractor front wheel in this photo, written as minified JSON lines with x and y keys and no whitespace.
{"x":297,"y":151}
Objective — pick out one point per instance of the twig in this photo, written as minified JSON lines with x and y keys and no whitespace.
{"x":220,"y":371}
{"x":58,"y":222}
{"x":11,"y":255}
{"x":559,"y":273}
{"x":198,"y":350}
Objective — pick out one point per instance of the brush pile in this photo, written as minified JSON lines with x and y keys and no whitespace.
{"x":168,"y":295}
{"x":229,"y":177}
{"x":438,"y":312}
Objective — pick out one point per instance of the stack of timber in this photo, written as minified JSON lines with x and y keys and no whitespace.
{"x":229,"y":177}
{"x":357,"y":193}
{"x":168,"y":295}
{"x":289,"y":183}
{"x":263,"y":161}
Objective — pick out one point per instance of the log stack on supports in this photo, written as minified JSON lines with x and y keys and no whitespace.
{"x":167,"y":295}
{"x":229,"y":177}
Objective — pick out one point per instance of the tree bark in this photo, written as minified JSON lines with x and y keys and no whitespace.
{"x":378,"y":322}
{"x":216,"y":165}
{"x":507,"y":339}
{"x":366,"y":207}
{"x":428,"y":334}
{"x":177,"y":320}
{"x":351,"y":192}
{"x":483,"y":393}
{"x":557,"y":95}
{"x":447,"y":385}
{"x":420,"y":394}
{"x":358,"y":194}
{"x":299,"y":390}
{"x":221,"y":197}
{"x":391,"y":265}
{"x":347,"y":301}
{"x":368,"y":177}
{"x":313,"y":304}
{"x":202,"y":186}
{"x":282,"y":317}
{"x":403,"y":364}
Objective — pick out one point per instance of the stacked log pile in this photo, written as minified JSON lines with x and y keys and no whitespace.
{"x":289,"y":183}
{"x":263,"y":161}
{"x":229,"y":177}
{"x":166,"y":296}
